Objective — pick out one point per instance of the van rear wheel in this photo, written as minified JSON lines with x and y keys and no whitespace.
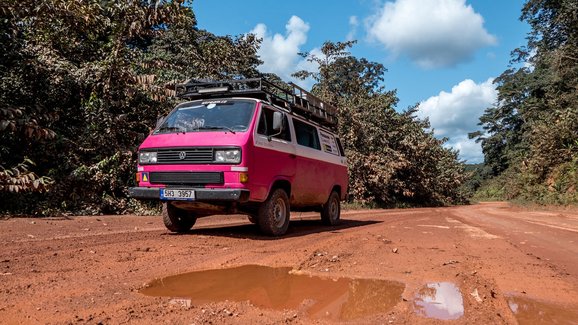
{"x":177,"y":220}
{"x":331,"y":211}
{"x":274,"y":213}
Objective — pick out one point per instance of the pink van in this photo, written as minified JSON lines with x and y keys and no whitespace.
{"x":244,"y":146}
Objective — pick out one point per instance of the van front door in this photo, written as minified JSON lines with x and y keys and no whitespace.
{"x":274,"y":155}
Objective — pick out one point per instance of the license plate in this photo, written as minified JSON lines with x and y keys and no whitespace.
{"x":177,"y":194}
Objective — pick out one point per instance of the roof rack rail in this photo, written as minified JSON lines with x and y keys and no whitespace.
{"x":297,"y":100}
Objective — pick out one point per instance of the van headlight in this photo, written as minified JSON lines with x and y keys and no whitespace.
{"x":232,"y":156}
{"x":147,"y":157}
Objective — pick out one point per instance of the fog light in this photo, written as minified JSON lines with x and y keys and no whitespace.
{"x":243,"y":177}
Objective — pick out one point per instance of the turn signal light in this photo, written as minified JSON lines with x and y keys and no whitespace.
{"x":137,"y":177}
{"x":243,"y":177}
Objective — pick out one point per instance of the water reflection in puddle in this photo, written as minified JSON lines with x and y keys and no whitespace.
{"x":528,"y":311}
{"x":279,"y":288}
{"x":441,"y":300}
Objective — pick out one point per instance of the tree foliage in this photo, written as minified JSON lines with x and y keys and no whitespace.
{"x":530,"y":137}
{"x":392,"y":157}
{"x":83,"y":82}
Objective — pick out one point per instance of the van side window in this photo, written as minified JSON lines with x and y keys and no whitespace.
{"x":328,"y":143}
{"x":341,"y":151}
{"x":266,"y":125}
{"x":306,"y":135}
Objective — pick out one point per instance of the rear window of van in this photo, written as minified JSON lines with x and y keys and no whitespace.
{"x":328,"y":143}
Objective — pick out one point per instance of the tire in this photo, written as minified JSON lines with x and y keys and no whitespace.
{"x":331,"y":211}
{"x":177,"y":220}
{"x":274,"y":213}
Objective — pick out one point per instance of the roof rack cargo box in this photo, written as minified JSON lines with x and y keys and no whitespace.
{"x":295,"y":99}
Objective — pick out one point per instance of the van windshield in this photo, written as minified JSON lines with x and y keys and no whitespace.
{"x":209,"y":115}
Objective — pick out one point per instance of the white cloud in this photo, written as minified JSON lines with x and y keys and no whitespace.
{"x":306,"y":65}
{"x":455,"y":114}
{"x":279,"y":53}
{"x":470,"y":151}
{"x":353,"y":24}
{"x":432,"y":33}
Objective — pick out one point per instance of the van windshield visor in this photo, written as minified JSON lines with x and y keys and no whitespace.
{"x":210,"y":115}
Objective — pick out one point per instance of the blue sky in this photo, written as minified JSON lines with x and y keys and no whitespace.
{"x":440,"y":54}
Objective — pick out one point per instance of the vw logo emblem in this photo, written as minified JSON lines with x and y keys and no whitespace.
{"x":182,"y":155}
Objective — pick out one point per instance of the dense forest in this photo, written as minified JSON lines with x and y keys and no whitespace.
{"x":83,"y":82}
{"x":530,"y":137}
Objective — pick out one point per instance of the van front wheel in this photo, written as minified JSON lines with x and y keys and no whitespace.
{"x":331,"y":210}
{"x":274,"y":213}
{"x":177,"y":220}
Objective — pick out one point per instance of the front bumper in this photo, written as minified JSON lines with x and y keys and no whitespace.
{"x":201,"y":194}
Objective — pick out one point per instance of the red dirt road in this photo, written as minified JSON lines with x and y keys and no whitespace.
{"x":510,"y":265}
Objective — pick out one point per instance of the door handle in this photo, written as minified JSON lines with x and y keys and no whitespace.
{"x":292,"y":156}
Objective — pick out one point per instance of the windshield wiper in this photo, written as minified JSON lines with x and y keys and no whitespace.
{"x":166,"y":129}
{"x":210,"y":127}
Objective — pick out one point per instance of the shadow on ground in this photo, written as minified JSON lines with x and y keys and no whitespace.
{"x":296,"y":228}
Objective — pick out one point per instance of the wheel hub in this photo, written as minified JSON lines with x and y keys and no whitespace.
{"x":279,"y":213}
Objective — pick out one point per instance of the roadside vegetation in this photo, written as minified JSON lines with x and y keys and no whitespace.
{"x":83,"y":82}
{"x":530,"y":137}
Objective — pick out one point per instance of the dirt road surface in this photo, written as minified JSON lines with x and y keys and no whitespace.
{"x":489,"y":263}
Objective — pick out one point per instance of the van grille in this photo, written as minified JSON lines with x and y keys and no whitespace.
{"x":191,"y":156}
{"x":187,"y":178}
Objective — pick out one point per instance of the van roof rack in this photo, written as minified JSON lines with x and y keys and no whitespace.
{"x":297,"y":100}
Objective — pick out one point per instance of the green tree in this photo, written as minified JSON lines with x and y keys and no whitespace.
{"x":83,"y":82}
{"x":530,"y":139}
{"x":392,"y":157}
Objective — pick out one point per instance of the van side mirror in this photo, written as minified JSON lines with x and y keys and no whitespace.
{"x":278,"y":125}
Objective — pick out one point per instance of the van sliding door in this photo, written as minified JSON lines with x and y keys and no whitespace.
{"x":311,"y":184}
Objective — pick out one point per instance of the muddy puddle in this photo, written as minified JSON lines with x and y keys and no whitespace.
{"x":440,"y":300}
{"x":282,"y":288}
{"x":528,"y":311}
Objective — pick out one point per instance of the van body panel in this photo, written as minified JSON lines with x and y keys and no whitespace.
{"x":196,"y":139}
{"x":310,"y":186}
{"x":315,"y":179}
{"x":270,"y":161}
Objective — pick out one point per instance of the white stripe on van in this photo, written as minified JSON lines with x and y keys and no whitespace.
{"x":261,"y":141}
{"x":304,"y":151}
